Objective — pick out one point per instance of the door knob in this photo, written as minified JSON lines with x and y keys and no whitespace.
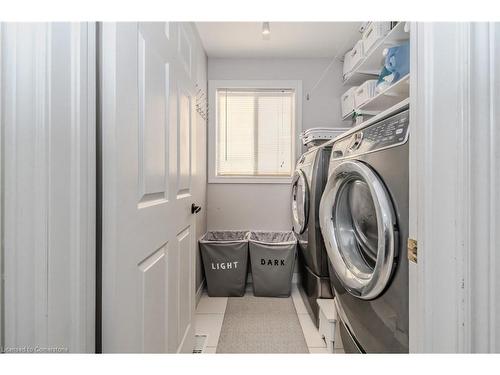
{"x":195,"y":209}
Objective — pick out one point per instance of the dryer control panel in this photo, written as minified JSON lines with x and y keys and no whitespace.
{"x":390,"y":132}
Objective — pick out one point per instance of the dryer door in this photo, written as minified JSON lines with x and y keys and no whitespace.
{"x":358,"y":224}
{"x":300,"y":202}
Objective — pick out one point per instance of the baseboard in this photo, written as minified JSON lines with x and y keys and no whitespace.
{"x":199,"y":292}
{"x":187,"y":343}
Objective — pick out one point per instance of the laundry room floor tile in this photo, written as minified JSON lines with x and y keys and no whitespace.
{"x":210,"y":350}
{"x":209,"y":324}
{"x":210,"y":314}
{"x":319,"y":351}
{"x":211,"y":305}
{"x":311,"y":333}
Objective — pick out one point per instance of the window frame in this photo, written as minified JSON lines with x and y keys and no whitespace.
{"x":213,"y":86}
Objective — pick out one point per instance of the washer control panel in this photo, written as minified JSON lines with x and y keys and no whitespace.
{"x":389,"y":132}
{"x":306,"y":159}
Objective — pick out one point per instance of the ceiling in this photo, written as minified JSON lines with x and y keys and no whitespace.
{"x":287,"y":39}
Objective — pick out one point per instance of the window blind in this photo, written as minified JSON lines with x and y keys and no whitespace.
{"x":254,"y":132}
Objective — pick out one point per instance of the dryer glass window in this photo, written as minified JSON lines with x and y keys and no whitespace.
{"x":357,"y":227}
{"x":364,"y":220}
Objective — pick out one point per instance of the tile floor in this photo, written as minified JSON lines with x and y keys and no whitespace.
{"x":210,"y":314}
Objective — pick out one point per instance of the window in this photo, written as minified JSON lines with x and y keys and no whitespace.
{"x":254,"y":133}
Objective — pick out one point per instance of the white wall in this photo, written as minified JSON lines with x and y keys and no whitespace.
{"x":267,"y":206}
{"x":48,"y":124}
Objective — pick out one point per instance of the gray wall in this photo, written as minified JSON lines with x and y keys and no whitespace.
{"x":267,"y":206}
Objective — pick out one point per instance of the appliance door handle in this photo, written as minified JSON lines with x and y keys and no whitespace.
{"x":195,"y":209}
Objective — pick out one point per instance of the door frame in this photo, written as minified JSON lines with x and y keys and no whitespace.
{"x":58,"y":234}
{"x":454,"y":170}
{"x":2,"y":307}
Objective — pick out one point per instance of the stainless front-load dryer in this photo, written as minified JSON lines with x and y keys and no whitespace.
{"x":307,"y":186}
{"x":364,"y":221}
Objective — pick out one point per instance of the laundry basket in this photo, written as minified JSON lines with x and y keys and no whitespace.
{"x":225,"y":260}
{"x":272,"y":258}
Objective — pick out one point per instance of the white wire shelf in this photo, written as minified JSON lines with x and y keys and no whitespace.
{"x":372,"y":64}
{"x":391,"y":96}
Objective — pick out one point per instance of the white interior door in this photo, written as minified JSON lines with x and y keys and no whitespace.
{"x":148,"y":241}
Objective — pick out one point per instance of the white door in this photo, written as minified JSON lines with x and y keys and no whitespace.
{"x":148,"y":238}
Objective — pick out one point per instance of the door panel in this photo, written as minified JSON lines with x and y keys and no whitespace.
{"x":185,"y":50}
{"x":153,"y":82}
{"x":185,"y":285}
{"x":173,"y":294}
{"x":184,"y":145}
{"x":148,"y":241}
{"x":154,"y":299}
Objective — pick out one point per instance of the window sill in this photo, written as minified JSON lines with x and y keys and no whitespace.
{"x":249,"y":180}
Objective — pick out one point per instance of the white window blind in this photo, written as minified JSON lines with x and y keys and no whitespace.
{"x":254,"y":134}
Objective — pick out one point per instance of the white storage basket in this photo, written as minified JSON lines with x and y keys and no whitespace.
{"x":347,"y":64}
{"x":374,"y":33}
{"x":347,"y":101}
{"x":353,"y":58}
{"x":365,"y":92}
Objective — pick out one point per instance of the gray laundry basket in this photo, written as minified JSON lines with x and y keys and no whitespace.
{"x":272,"y":258}
{"x":225,"y":259}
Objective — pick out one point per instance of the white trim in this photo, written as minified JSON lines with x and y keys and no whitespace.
{"x":199,"y":293}
{"x":249,"y":180}
{"x":213,"y":85}
{"x":2,"y":344}
{"x":454,"y":179}
{"x":187,"y":343}
{"x":482,"y":177}
{"x":49,"y":185}
{"x":436,"y":193}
